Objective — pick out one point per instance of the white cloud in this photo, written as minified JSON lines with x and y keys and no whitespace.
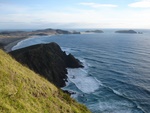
{"x":96,"y":5}
{"x":81,"y":19}
{"x":73,"y":17}
{"x":140,"y":4}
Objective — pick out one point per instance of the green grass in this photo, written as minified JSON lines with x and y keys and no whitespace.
{"x":23,"y":91}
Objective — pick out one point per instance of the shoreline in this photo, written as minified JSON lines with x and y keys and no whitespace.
{"x":7,"y":48}
{"x":8,"y":39}
{"x":8,"y":43}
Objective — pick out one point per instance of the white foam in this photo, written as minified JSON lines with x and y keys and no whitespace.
{"x":117,"y":92}
{"x":85,"y":83}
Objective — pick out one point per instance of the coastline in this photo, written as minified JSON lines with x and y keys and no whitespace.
{"x":9,"y":39}
{"x":8,"y":43}
{"x":9,"y":46}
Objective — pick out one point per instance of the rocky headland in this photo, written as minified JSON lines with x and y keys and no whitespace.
{"x":47,"y":60}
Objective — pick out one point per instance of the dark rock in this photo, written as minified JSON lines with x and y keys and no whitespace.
{"x":126,"y":31}
{"x":75,"y":32}
{"x":72,"y":62}
{"x":140,"y":32}
{"x":1,"y":45}
{"x":59,"y":31}
{"x":47,"y":60}
{"x":69,"y":92}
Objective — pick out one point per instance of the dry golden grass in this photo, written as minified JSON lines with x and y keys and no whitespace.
{"x":23,"y":91}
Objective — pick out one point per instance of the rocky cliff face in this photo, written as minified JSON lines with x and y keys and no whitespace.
{"x":47,"y":60}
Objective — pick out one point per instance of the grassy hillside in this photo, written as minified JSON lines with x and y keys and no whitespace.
{"x":23,"y":91}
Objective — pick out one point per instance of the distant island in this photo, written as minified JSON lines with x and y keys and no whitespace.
{"x":126,"y":31}
{"x":94,"y":31}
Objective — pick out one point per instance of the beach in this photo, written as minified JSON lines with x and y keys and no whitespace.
{"x":7,"y":43}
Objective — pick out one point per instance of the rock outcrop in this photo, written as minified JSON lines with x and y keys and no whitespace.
{"x":47,"y":60}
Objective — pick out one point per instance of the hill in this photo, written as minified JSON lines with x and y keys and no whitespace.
{"x":24,"y":91}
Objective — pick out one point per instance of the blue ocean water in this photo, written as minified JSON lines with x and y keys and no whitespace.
{"x":116,"y":73}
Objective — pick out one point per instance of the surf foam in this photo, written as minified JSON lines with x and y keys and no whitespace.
{"x":80,"y":78}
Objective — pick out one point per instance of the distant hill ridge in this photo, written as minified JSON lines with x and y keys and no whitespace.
{"x":42,"y":32}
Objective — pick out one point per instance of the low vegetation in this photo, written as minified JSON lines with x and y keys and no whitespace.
{"x":23,"y":91}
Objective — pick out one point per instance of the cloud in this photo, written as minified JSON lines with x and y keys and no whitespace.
{"x":14,"y":16}
{"x":96,"y":5}
{"x":140,"y":4}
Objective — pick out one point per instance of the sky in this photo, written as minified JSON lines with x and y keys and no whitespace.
{"x":36,"y":14}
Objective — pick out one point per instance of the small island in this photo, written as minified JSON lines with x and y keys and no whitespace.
{"x":126,"y":31}
{"x":94,"y":31}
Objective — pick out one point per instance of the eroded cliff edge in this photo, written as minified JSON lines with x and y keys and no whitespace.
{"x":47,"y":60}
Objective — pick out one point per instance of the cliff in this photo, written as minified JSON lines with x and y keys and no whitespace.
{"x":47,"y":60}
{"x":23,"y":91}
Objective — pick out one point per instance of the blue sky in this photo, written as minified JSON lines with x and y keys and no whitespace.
{"x":35,"y":14}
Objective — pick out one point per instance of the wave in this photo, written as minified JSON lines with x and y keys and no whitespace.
{"x":118,"y":104}
{"x":89,"y":84}
{"x":131,"y":95}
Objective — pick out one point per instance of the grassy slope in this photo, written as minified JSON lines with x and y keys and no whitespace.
{"x":23,"y":91}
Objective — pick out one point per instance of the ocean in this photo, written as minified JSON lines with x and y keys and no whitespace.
{"x":116,"y":73}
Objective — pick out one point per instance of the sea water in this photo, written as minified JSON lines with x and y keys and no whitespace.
{"x":116,"y":73}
